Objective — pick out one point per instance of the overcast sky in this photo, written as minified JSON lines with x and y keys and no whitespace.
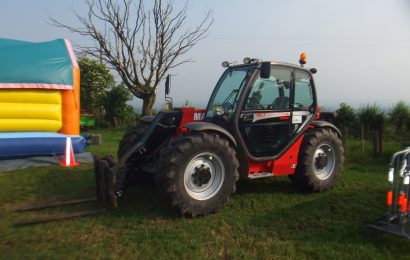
{"x":361,"y":48}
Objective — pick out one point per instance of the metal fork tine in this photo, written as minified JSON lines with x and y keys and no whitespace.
{"x":59,"y":217}
{"x":56,"y":204}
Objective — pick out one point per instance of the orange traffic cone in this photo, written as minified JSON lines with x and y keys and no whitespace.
{"x":69,"y":159}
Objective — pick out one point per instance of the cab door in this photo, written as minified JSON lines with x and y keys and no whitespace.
{"x":303,"y":101}
{"x":266,"y":116}
{"x":276,"y":110}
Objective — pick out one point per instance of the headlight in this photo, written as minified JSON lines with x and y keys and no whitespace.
{"x":167,"y":106}
{"x":225,"y":64}
{"x":219,"y":110}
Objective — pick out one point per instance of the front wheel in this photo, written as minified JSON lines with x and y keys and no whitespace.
{"x":320,"y":161}
{"x":198,"y":172}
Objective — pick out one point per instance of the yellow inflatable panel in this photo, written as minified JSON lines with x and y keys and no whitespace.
{"x":26,"y":110}
{"x":29,"y":125}
{"x":33,"y":111}
{"x":37,"y":96}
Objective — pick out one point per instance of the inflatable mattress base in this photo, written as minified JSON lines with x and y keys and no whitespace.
{"x":31,"y":144}
{"x":24,"y":163}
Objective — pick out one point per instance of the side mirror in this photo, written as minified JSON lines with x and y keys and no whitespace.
{"x":265,"y":70}
{"x":167,"y":85}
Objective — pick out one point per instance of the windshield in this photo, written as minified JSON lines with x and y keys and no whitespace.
{"x":228,"y":90}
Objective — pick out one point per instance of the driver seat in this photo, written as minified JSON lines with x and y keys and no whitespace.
{"x":281,"y":103}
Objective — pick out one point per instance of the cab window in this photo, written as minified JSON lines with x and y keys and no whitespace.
{"x":272,"y":93}
{"x":303,"y":90}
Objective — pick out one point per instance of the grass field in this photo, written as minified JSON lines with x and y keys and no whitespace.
{"x":264,"y":219}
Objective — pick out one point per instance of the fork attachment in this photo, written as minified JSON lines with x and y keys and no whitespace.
{"x":107,"y":173}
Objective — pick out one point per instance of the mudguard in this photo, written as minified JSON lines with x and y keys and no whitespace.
{"x":205,"y":126}
{"x":147,"y":119}
{"x":323,"y":124}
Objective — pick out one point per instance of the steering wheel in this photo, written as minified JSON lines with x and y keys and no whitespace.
{"x":298,"y":105}
{"x":254,"y":106}
{"x":227,"y":106}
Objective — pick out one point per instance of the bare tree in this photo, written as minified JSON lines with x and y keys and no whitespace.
{"x":141,"y":45}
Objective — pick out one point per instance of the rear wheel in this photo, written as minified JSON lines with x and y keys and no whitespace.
{"x":135,"y":175}
{"x":198,"y":172}
{"x":320,"y":161}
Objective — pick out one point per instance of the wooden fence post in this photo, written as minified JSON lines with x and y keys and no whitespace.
{"x":346,"y":138}
{"x":362,"y":137}
{"x":381,"y":136}
{"x":375,"y":144}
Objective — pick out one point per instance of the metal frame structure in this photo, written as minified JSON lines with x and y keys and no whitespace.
{"x":396,"y":220}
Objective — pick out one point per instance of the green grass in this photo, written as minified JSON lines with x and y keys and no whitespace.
{"x":265,"y":219}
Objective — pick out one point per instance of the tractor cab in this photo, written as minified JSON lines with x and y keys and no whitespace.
{"x":264,"y":104}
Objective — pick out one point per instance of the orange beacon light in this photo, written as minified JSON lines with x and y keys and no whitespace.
{"x":302,"y":59}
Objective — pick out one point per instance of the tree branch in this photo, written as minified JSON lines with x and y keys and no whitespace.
{"x":142,"y":46}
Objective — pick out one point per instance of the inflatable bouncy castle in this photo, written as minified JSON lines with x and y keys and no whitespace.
{"x":39,"y":99}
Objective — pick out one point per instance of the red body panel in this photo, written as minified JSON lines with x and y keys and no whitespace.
{"x":317,"y":117}
{"x":189,"y":114}
{"x":287,"y":163}
{"x":284,"y":165}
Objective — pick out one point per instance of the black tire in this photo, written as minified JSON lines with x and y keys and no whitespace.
{"x":211,"y":160}
{"x":134,"y":175}
{"x":320,"y":161}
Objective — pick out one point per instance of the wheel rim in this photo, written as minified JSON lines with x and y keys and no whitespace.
{"x":324,"y":161}
{"x":204,"y":176}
